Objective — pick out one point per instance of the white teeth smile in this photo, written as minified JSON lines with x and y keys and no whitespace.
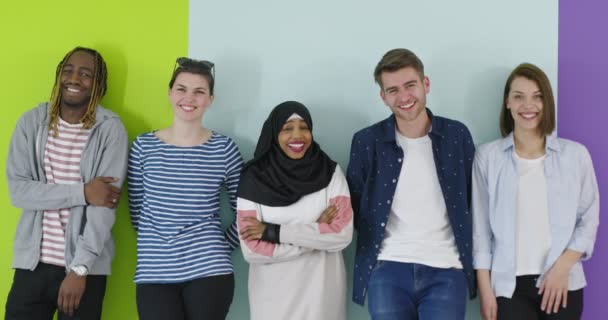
{"x":73,"y":90}
{"x":407,"y":106}
{"x":296,"y":145}
{"x":187,"y":108}
{"x":528,"y":115}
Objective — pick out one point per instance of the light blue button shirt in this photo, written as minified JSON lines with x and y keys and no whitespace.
{"x":573,"y":204}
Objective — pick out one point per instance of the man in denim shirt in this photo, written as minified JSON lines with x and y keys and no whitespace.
{"x":410,"y":182}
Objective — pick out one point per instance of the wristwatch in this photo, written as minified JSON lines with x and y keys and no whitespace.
{"x":80,"y":270}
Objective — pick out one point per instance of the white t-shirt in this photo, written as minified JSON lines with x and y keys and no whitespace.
{"x":532,"y":226}
{"x":418,"y":229}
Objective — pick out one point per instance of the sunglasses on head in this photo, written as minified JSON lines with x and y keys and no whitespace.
{"x":185,"y":62}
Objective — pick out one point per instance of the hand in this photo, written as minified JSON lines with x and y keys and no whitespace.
{"x":70,"y":293}
{"x":252,"y":230}
{"x":487,"y":304}
{"x":328,"y":215}
{"x":554,"y":288}
{"x":100,"y":192}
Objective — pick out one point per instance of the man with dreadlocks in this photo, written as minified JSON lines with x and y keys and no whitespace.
{"x":66,"y":162}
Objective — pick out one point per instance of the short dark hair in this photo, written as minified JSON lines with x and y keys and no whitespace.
{"x":533,"y":73}
{"x":397,"y":59}
{"x":200,"y":67}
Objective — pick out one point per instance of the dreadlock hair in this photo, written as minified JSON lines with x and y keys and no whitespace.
{"x":98,"y":91}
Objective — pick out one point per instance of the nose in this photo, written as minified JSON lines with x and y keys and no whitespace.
{"x":74,"y":77}
{"x":189,"y":96}
{"x":403,"y":96}
{"x":530,"y":102}
{"x":296,"y":132}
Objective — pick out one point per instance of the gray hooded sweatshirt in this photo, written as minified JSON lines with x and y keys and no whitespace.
{"x":89,"y":230}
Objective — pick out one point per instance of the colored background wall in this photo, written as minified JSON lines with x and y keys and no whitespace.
{"x":323,"y":53}
{"x":582,"y":115}
{"x":139,"y":42}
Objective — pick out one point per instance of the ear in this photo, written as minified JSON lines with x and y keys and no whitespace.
{"x":211,"y":98}
{"x":427,"y":84}
{"x":383,"y":96}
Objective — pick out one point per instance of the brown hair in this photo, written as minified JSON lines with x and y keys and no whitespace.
{"x":397,"y":59}
{"x":100,"y":79}
{"x":533,"y":73}
{"x":202,"y":68}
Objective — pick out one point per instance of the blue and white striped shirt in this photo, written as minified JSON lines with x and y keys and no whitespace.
{"x":174,"y":200}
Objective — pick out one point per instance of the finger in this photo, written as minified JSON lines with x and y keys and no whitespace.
{"x":565,"y":299}
{"x":250,"y":235}
{"x":114,"y":189}
{"x":108,"y":179}
{"x":244,"y":230}
{"x":558,"y":300}
{"x":543,"y":303}
{"x":550,"y":301}
{"x":77,"y":301}
{"x":60,"y":300}
{"x":71,"y":305}
{"x":113,"y":198}
{"x":108,"y":204}
{"x":65,"y":308}
{"x":541,"y":289}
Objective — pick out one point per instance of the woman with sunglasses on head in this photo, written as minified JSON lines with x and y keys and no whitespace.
{"x":175,"y":175}
{"x":294,"y":218}
{"x":535,"y":209}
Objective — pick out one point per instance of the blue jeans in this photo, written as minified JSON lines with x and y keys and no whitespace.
{"x":410,"y":291}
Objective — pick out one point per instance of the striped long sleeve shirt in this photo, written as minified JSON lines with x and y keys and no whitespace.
{"x":174,"y":201}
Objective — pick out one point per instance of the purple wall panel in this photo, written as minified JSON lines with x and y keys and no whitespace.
{"x":583,"y":111}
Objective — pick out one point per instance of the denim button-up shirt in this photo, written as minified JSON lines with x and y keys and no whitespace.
{"x":373,"y":172}
{"x":572,"y":199}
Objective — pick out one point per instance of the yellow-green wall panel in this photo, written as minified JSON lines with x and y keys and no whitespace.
{"x":139,"y":41}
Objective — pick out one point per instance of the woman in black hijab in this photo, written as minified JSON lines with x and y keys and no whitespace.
{"x":294,"y":218}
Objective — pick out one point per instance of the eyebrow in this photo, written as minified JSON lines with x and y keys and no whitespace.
{"x":395,"y":87}
{"x":196,"y":88}
{"x":517,"y":91}
{"x":85,"y":68}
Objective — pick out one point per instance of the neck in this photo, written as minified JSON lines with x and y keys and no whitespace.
{"x":71,"y":114}
{"x":187,"y":133}
{"x":529,"y":144}
{"x":415,"y":128}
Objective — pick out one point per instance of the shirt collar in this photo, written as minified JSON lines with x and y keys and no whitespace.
{"x":551,"y":142}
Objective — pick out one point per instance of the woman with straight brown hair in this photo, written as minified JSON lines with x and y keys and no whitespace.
{"x":535,"y":209}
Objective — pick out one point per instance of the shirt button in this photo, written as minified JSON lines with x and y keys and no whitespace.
{"x":399,"y":160}
{"x":394,"y":180}
{"x":382,"y":224}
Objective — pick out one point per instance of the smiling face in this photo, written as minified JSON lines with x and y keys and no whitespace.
{"x":77,"y":76}
{"x":525,"y":102}
{"x":295,"y":138}
{"x":190,"y":96}
{"x":404,"y":92}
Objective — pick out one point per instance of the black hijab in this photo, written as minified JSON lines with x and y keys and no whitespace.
{"x":273,"y":179}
